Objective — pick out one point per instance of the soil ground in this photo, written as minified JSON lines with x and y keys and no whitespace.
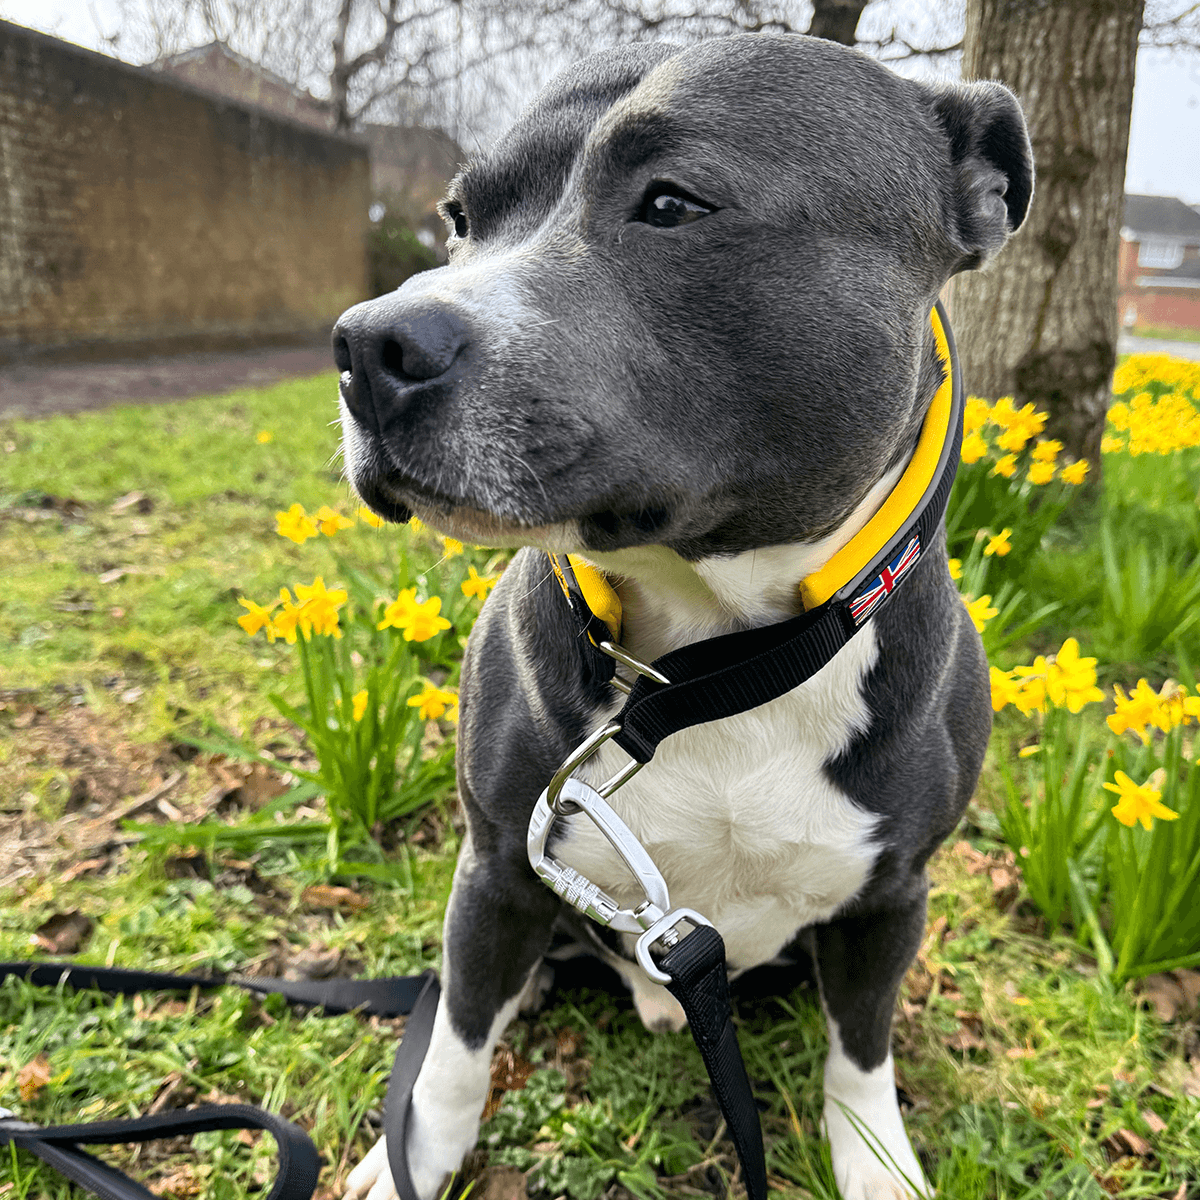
{"x":41,"y":389}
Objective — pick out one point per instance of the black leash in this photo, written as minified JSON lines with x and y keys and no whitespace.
{"x":61,"y":1146}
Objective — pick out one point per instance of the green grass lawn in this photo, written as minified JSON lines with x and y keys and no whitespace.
{"x":1024,"y":1072}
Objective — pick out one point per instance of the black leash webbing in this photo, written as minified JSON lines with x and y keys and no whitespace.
{"x":61,"y":1147}
{"x":392,"y":997}
{"x":397,"y":1108}
{"x":700,"y":983}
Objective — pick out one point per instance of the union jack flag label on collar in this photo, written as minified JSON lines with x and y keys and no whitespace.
{"x":878,"y":590}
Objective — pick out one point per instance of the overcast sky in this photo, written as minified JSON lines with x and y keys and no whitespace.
{"x":1164,"y":143}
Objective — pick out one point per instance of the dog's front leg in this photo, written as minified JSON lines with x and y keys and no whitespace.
{"x":860,"y":964}
{"x":497,"y":928}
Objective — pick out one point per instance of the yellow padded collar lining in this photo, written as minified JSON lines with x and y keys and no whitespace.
{"x":895,"y":511}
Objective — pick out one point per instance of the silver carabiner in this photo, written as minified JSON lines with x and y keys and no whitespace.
{"x":654,"y":920}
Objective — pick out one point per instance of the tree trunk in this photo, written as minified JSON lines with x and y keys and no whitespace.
{"x":1041,"y":323}
{"x":836,"y":20}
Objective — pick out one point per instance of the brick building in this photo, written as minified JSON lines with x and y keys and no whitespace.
{"x":140,"y":214}
{"x":1159,"y":266}
{"x":410,"y":164}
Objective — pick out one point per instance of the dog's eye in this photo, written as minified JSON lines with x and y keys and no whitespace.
{"x":458,"y":220}
{"x":665,"y":206}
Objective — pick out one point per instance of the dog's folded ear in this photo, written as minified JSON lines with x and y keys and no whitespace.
{"x":992,"y":164}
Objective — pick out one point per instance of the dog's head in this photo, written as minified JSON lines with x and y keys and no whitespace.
{"x":687,"y":301}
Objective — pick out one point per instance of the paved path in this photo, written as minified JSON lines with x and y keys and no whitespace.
{"x":1127,"y":344}
{"x":39,"y":389}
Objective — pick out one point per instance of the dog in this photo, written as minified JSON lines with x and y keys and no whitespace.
{"x":684,"y":333}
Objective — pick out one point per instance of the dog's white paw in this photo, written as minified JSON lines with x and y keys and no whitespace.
{"x":659,"y":1010}
{"x":872,"y":1156}
{"x":371,"y":1179}
{"x":870,"y":1163}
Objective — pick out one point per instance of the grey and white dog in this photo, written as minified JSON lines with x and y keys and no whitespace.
{"x":684,"y":332}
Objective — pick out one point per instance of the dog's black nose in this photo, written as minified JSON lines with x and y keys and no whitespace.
{"x":389,"y":348}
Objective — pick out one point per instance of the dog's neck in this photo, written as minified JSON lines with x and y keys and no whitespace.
{"x":668,"y":602}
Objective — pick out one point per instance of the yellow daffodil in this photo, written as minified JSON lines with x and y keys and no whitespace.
{"x":478,"y":585}
{"x":329,"y":522}
{"x":263,"y":436}
{"x":1137,"y":802}
{"x":295,"y":524}
{"x":418,"y":621}
{"x":1029,"y":751}
{"x":416,"y":525}
{"x":1005,"y":687}
{"x":1076,"y":472}
{"x":1040,"y":473}
{"x":1172,"y":706}
{"x":431,"y":702}
{"x":955,"y":569}
{"x":256,"y":618}
{"x":451,"y":547}
{"x":1134,"y":712}
{"x":367,"y":517}
{"x":286,"y":621}
{"x":1003,"y":412}
{"x":1032,"y":694}
{"x":425,"y":622}
{"x":999,"y":544}
{"x":1046,"y":451}
{"x":1006,"y":466}
{"x":359,"y":704}
{"x":974,"y":447}
{"x":980,"y":610}
{"x":400,"y":611}
{"x":975,"y":415}
{"x":319,"y":607}
{"x":1071,"y":680}
{"x":1111,"y":445}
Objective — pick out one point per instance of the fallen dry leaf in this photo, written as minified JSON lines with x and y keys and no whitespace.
{"x":1165,"y":995}
{"x":181,"y":1185}
{"x":1191,"y":1081}
{"x":63,"y":933}
{"x":324,"y":895}
{"x":1155,"y":1123}
{"x":82,"y":868}
{"x":1125,"y":1141}
{"x":500,"y":1183}
{"x":33,"y":1076}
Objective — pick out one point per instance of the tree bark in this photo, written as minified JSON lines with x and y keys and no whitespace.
{"x":836,"y":20}
{"x":1041,"y":323}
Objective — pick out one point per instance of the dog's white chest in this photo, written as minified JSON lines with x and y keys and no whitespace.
{"x":740,"y":818}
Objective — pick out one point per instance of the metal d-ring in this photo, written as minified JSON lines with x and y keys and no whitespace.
{"x":634,"y":664}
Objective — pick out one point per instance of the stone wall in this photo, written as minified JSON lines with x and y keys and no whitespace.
{"x":138,"y":213}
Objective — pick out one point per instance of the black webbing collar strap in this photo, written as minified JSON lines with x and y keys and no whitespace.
{"x":723,"y":676}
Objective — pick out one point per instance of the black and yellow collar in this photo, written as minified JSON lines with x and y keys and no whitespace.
{"x":838,"y":598}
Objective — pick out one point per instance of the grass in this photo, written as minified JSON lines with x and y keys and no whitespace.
{"x":1020,"y":1065}
{"x":1167,"y":332}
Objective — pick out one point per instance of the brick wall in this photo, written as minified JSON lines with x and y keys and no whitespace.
{"x":137,"y":212}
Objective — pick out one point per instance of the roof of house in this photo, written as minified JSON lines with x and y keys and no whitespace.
{"x":203,"y":52}
{"x":1164,"y":216}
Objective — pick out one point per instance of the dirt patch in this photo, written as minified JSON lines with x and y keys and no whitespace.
{"x":90,"y":777}
{"x":40,"y":389}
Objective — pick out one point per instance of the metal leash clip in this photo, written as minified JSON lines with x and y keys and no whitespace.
{"x":654,"y":918}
